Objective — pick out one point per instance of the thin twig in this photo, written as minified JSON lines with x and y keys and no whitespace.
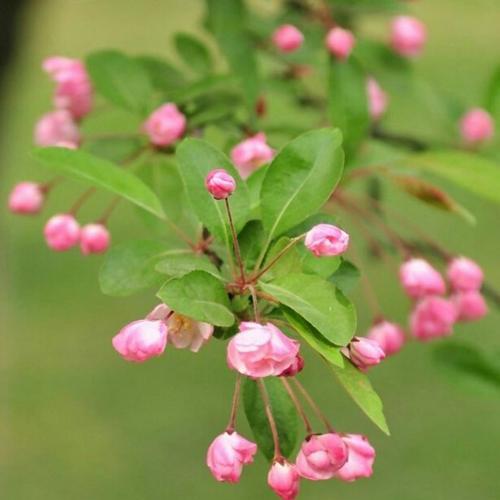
{"x":81,"y":200}
{"x":234,"y":405}
{"x":236,"y":245}
{"x":313,"y":405}
{"x":270,"y":418}
{"x":296,"y":402}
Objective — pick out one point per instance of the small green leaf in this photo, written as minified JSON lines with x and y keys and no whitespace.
{"x":116,"y":149}
{"x":322,"y":266}
{"x":194,"y":53}
{"x":251,"y":239}
{"x":284,"y":413}
{"x":163,"y":75}
{"x":346,"y":277}
{"x":101,"y":173}
{"x":200,"y":296}
{"x":318,"y":302}
{"x":181,"y":264}
{"x":358,"y":386}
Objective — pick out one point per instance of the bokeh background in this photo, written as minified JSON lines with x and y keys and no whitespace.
{"x":77,"y":422}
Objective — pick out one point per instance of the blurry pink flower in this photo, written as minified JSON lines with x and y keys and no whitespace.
{"x":408,"y":36}
{"x":251,"y":154}
{"x":94,"y":238}
{"x":389,"y":336}
{"x":325,"y":240}
{"x":365,"y":352}
{"x":227,"y":454}
{"x":296,"y":367}
{"x":321,"y":456}
{"x":165,"y":125}
{"x":220,"y":184}
{"x":62,"y":232}
{"x":141,"y":340}
{"x":287,"y":38}
{"x":377,"y":99}
{"x":360,"y":460}
{"x":464,"y":274}
{"x":283,"y":479}
{"x":433,"y":317}
{"x":419,"y":279}
{"x":26,"y":198}
{"x":340,"y":43}
{"x":261,"y":350}
{"x":477,"y":126}
{"x":470,"y":305}
{"x":55,"y":128}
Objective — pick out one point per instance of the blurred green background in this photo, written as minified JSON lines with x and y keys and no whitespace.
{"x":77,"y":422}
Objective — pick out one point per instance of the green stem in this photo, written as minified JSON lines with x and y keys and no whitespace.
{"x":270,"y":418}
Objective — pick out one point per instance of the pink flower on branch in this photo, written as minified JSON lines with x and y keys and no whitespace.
{"x":361,"y":456}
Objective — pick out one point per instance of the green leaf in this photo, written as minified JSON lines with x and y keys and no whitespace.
{"x":116,"y":149}
{"x":163,"y":75}
{"x":200,"y":296}
{"x":122,"y":80}
{"x":358,"y":386}
{"x":468,"y":171}
{"x":251,"y":239}
{"x":301,"y":179}
{"x":100,"y":173}
{"x":318,"y":302}
{"x":227,"y":20}
{"x":181,"y":264}
{"x":283,"y":410}
{"x":346,"y":277}
{"x":196,"y":158}
{"x":289,"y":262}
{"x":194,"y":53}
{"x":348,"y":103}
{"x":322,"y":266}
{"x":329,"y":351}
{"x":492,"y":95}
{"x":130,"y":267}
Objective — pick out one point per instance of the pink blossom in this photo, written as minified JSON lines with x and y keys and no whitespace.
{"x":377,"y":99}
{"x":287,"y":38}
{"x":433,"y":317}
{"x":261,"y":350}
{"x":62,"y":232}
{"x":464,"y":274}
{"x":55,"y":128}
{"x":74,"y":90}
{"x":365,"y":352}
{"x":340,"y":43}
{"x":419,"y":279}
{"x":296,"y":367}
{"x":408,"y":36}
{"x":26,"y":198}
{"x":325,"y":240}
{"x":470,"y":305}
{"x":361,"y":458}
{"x":389,"y":336}
{"x":141,"y":340}
{"x":321,"y":456}
{"x":227,"y":454}
{"x":251,"y":154}
{"x":165,"y":125}
{"x":477,"y":126}
{"x":283,"y":479}
{"x":94,"y":238}
{"x":220,"y":184}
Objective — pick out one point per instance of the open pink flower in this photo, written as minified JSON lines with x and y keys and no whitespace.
{"x":284,"y":479}
{"x":360,"y":461}
{"x":377,"y":99}
{"x":261,"y":350}
{"x":470,"y":306}
{"x":365,"y":352}
{"x":408,"y":36}
{"x":419,"y":279}
{"x":433,"y":317}
{"x":477,"y":126}
{"x":251,"y":154}
{"x":326,"y":240}
{"x":465,"y":275}
{"x":62,"y":232}
{"x":227,"y":454}
{"x":340,"y":42}
{"x":321,"y":456}
{"x":165,"y":125}
{"x":220,"y":184}
{"x":55,"y":128}
{"x":94,"y":238}
{"x":389,"y":336}
{"x":26,"y":198}
{"x":287,"y":38}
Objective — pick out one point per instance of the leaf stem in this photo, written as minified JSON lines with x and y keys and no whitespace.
{"x":270,"y":418}
{"x":234,"y":405}
{"x":81,"y":200}
{"x":254,"y":303}
{"x":236,"y":245}
{"x":296,"y":402}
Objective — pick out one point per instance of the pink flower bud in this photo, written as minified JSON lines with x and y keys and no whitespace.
{"x":94,"y":238}
{"x":321,"y":456}
{"x":62,"y":232}
{"x":220,"y":184}
{"x":470,"y":306}
{"x":56,"y":127}
{"x":140,"y":340}
{"x":419,"y":279}
{"x":408,"y":36}
{"x":477,"y":126}
{"x":26,"y":198}
{"x":365,"y":352}
{"x":74,"y":90}
{"x":296,"y":367}
{"x":464,"y":274}
{"x":433,"y":317}
{"x":325,"y":240}
{"x":388,"y":335}
{"x":227,"y":454}
{"x":377,"y":99}
{"x":261,"y":350}
{"x":165,"y":125}
{"x":287,"y":38}
{"x":251,"y":154}
{"x":340,"y":43}
{"x":283,"y":479}
{"x":360,"y":461}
